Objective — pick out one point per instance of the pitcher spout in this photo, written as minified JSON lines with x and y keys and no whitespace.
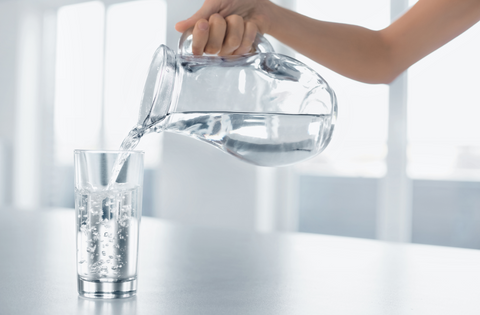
{"x":159,"y":86}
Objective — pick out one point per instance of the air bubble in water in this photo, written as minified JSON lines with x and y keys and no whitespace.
{"x":103,"y":253}
{"x":81,"y":261}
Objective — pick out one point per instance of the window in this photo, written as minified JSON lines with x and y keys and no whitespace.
{"x":102,"y":57}
{"x":358,"y":146}
{"x":444,"y":143}
{"x":79,"y":79}
{"x":339,"y":188}
{"x":444,"y":106}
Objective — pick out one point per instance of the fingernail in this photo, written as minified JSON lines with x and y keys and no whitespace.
{"x":203,"y":26}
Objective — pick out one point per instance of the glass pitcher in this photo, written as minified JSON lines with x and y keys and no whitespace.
{"x":264,"y":108}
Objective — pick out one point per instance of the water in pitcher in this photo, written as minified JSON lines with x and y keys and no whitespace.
{"x":258,"y":138}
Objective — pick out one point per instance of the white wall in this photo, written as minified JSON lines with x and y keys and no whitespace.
{"x":24,"y":104}
{"x":9,"y":11}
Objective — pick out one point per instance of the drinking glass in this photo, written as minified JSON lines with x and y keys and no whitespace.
{"x":108,"y":219}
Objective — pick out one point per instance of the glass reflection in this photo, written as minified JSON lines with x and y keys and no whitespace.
{"x":107,"y":307}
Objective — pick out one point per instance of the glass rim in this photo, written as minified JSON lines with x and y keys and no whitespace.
{"x":108,"y":151}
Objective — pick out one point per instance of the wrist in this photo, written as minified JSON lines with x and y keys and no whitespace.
{"x":271,"y":16}
{"x":264,"y":16}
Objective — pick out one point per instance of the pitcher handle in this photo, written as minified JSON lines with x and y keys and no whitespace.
{"x":260,"y":44}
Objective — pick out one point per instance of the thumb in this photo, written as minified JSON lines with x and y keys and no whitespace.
{"x":205,"y":11}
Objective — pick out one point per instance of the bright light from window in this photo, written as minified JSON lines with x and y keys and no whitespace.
{"x":241,"y":81}
{"x":412,"y":2}
{"x":358,"y":146}
{"x":134,"y":30}
{"x":444,"y":106}
{"x":78,"y":85}
{"x":252,"y":131}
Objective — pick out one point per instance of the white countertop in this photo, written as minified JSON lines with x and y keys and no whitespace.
{"x":187,"y":270}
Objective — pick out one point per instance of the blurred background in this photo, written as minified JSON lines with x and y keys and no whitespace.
{"x":403,"y":165}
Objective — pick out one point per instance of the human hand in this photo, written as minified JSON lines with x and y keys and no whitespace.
{"x":226,"y":27}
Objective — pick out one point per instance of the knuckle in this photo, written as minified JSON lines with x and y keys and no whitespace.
{"x":201,"y":25}
{"x":234,"y":18}
{"x":217,"y":19}
{"x":201,"y":21}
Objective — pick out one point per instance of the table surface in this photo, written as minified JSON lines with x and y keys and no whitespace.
{"x":188,"y":270}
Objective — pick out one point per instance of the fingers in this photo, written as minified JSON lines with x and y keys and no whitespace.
{"x":249,"y":35}
{"x":223,"y":36}
{"x":218,"y":27}
{"x":200,"y":36}
{"x":233,"y":36}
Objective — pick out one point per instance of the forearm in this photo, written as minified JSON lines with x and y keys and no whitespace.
{"x":350,"y":50}
{"x":375,"y":56}
{"x":356,"y":52}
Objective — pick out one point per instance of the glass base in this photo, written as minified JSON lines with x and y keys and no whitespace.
{"x":107,"y":290}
